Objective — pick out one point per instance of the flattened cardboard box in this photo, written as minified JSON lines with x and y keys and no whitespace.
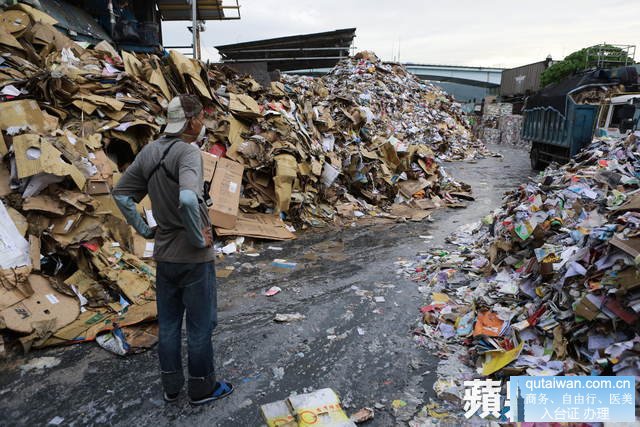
{"x":226,"y":178}
{"x":93,"y":321}
{"x":46,"y":303}
{"x":259,"y":226}
{"x":22,"y":113}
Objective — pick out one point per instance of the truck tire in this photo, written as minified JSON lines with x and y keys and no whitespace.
{"x":536,"y":163}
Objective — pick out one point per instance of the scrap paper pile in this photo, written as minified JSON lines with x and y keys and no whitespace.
{"x":73,"y":117}
{"x":364,"y":140}
{"x":549,"y":283}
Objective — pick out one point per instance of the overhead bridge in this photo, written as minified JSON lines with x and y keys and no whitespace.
{"x":487,"y":77}
{"x":473,"y":76}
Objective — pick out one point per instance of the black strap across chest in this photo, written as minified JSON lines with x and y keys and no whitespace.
{"x":161,"y":164}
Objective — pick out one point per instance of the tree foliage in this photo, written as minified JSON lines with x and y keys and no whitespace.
{"x":581,"y":60}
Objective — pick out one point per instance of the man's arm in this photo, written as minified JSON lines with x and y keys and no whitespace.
{"x":131,"y":188}
{"x":190,"y":179}
{"x":190,"y":215}
{"x":127,"y":206}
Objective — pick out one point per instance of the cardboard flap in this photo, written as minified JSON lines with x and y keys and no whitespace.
{"x":44,"y":203}
{"x":226,"y":183}
{"x":630,"y":246}
{"x":244,"y":106}
{"x":24,"y":113}
{"x":34,"y":156}
{"x":132,"y":284}
{"x":191,"y":69}
{"x":412,"y":186}
{"x":14,"y":286}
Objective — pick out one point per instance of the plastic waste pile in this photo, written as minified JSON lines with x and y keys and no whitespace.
{"x":549,"y":283}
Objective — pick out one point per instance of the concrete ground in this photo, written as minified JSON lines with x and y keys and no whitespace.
{"x":360,"y":348}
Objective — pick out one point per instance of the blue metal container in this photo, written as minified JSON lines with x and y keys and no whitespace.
{"x":557,"y":127}
{"x":558,"y":136}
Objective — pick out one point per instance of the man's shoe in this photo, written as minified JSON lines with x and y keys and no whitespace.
{"x":171,"y":397}
{"x":222,"y":389}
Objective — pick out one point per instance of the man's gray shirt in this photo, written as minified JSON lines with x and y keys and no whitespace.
{"x":184,"y":162}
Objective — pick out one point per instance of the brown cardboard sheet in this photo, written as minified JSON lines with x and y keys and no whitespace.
{"x":259,"y":226}
{"x":45,"y":304}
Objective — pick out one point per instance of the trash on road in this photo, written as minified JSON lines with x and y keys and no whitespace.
{"x":224,"y":272}
{"x":320,"y":408}
{"x":283,"y":263}
{"x":549,"y":283}
{"x":41,"y":363}
{"x":114,"y":341}
{"x":289,"y":317}
{"x":363,"y":415}
{"x":272,"y":291}
{"x":55,"y":421}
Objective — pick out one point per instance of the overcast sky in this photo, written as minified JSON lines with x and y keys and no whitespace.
{"x":497,"y":33}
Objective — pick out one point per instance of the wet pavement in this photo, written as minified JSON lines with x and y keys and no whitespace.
{"x":351,"y":340}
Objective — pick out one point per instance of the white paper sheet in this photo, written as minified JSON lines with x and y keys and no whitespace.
{"x":14,"y":249}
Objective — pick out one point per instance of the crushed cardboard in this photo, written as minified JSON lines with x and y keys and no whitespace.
{"x":304,"y":149}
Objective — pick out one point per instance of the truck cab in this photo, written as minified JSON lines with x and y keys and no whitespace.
{"x":619,"y":116}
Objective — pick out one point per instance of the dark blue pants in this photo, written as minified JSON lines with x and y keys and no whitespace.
{"x":191,"y":288}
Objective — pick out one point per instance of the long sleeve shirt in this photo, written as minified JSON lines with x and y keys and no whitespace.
{"x":178,"y":206}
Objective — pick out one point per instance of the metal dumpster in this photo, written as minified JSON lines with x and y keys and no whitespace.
{"x":556,"y":135}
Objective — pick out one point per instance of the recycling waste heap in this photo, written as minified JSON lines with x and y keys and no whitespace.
{"x":365,"y":140}
{"x":549,"y":283}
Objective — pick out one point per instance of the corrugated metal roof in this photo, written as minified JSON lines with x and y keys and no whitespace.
{"x":303,"y":51}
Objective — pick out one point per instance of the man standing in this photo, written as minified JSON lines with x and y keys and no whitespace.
{"x":170,"y":171}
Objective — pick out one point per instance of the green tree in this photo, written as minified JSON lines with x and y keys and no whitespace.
{"x":605,"y":55}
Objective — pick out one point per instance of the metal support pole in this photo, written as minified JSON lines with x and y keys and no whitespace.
{"x":198,"y":52}
{"x":112,"y":16}
{"x":194,"y":23}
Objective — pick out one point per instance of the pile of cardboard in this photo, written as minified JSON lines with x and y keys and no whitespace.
{"x":364,"y":141}
{"x":70,"y":120}
{"x":549,"y":284}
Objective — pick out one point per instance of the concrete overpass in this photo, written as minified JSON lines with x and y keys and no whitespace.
{"x":472,"y":76}
{"x":485,"y":77}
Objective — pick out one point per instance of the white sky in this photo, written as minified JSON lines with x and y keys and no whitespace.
{"x":502,"y":33}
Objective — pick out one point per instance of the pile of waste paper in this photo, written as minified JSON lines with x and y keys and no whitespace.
{"x":500,"y":126}
{"x":71,"y":120}
{"x":549,"y":283}
{"x":364,"y":140}
{"x":391,"y":102}
{"x":73,"y":117}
